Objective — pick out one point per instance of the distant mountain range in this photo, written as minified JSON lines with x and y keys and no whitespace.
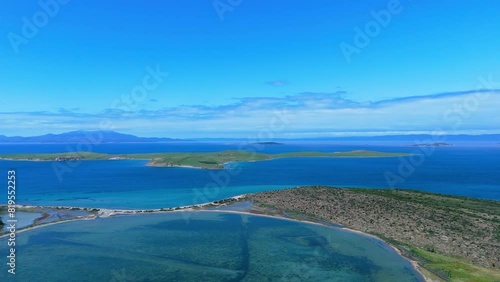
{"x":82,"y":136}
{"x":116,"y":137}
{"x":411,"y":138}
{"x":416,"y":137}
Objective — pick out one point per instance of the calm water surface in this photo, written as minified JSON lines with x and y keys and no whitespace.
{"x":204,"y":246}
{"x":466,"y":171}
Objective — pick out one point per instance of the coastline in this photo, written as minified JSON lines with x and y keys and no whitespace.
{"x":201,"y":160}
{"x":414,"y":263}
{"x":209,"y":207}
{"x":356,"y":210}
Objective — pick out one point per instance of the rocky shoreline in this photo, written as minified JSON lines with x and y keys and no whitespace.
{"x":414,"y":222}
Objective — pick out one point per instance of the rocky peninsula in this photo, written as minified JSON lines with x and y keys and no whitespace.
{"x":448,"y":238}
{"x":454,"y":238}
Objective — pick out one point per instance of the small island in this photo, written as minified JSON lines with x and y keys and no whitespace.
{"x":204,"y":160}
{"x":437,"y":144}
{"x":267,"y":143}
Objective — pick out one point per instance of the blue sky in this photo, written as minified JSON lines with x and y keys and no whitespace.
{"x":229,"y":68}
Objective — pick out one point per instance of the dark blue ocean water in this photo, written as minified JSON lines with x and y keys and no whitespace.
{"x":458,"y":170}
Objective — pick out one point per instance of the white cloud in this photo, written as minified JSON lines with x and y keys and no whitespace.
{"x":309,"y":114}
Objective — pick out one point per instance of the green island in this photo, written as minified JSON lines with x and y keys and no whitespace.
{"x":450,"y":238}
{"x":205,"y":160}
{"x":438,"y":144}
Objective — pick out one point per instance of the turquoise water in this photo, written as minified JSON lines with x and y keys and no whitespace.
{"x":210,"y":246}
{"x":219,"y":246}
{"x":466,"y":171}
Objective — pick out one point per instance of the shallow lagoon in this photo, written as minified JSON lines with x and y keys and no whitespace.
{"x":201,"y":246}
{"x":23,"y":219}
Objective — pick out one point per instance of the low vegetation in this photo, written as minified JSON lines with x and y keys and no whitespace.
{"x":207,"y":160}
{"x":455,"y":238}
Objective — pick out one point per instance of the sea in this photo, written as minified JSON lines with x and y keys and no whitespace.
{"x":471,"y":171}
{"x":221,"y":245}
